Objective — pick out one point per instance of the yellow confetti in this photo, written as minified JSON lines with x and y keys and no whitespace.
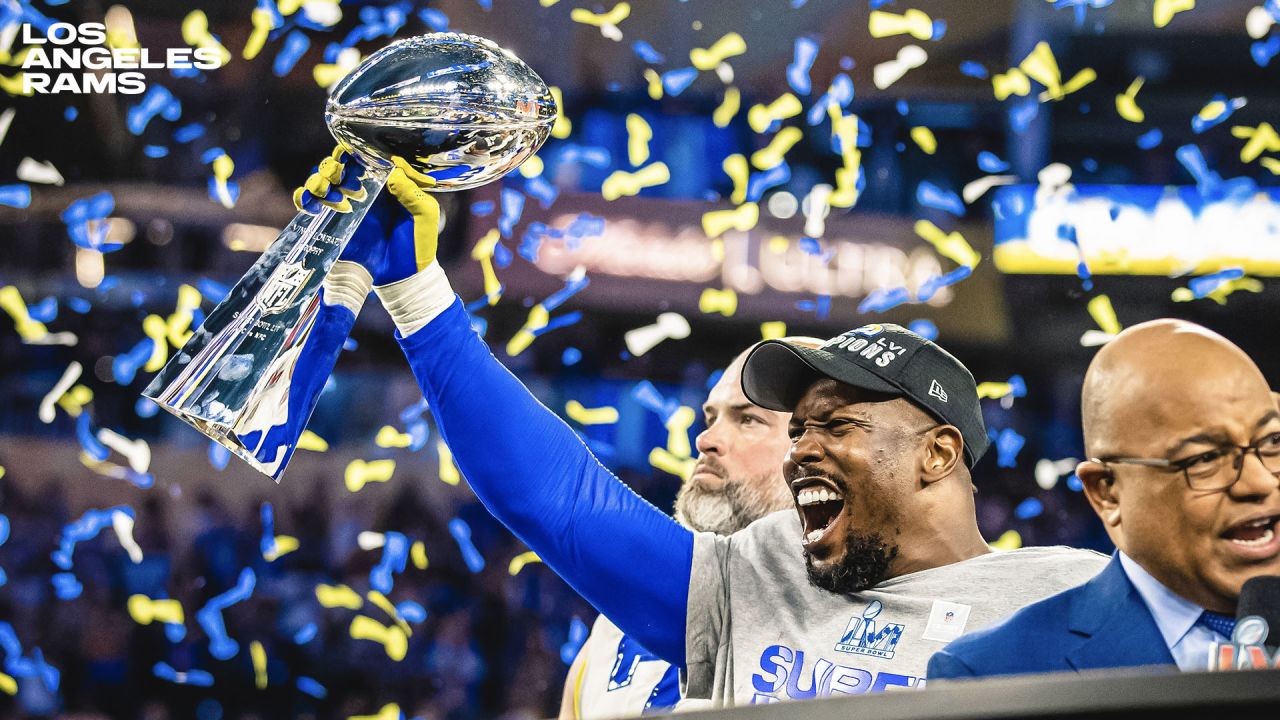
{"x":418,"y":555}
{"x":393,"y":639}
{"x":259,"y":656}
{"x":760,"y":117}
{"x":449,"y":474}
{"x":145,"y":611}
{"x":913,"y":22}
{"x":263,"y":22}
{"x":1040,"y":65}
{"x":655,"y":83}
{"x":728,"y":107}
{"x":13,"y":304}
{"x":1272,"y":164}
{"x":735,"y":166}
{"x":1014,"y":82}
{"x":612,"y":17}
{"x":75,"y":399}
{"x":2,"y":471}
{"x":338,"y":596}
{"x":678,"y":431}
{"x":531,"y":168}
{"x":360,"y":473}
{"x":563,"y":126}
{"x":993,"y":390}
{"x":1259,"y":140}
{"x":681,"y":467}
{"x":281,"y":545}
{"x":121,"y":32}
{"x":313,"y":442}
{"x":538,"y":319}
{"x":724,"y":301}
{"x":718,"y":222}
{"x":483,"y":252}
{"x":15,"y":85}
{"x":1164,"y":10}
{"x":726,"y":47}
{"x":178,"y":324}
{"x":1220,"y":293}
{"x":390,"y":711}
{"x":621,"y":183}
{"x":195,"y":32}
{"x":8,"y":684}
{"x":951,"y":245}
{"x":385,"y":606}
{"x":773,"y":330}
{"x":1077,"y":81}
{"x":154,"y":327}
{"x":223,"y":166}
{"x":772,"y":154}
{"x":1127,"y":104}
{"x":590,"y":416}
{"x":389,"y":437}
{"x":518,"y":562}
{"x":1010,"y":540}
{"x":547,"y":3}
{"x":1105,"y":315}
{"x":923,"y":137}
{"x":638,"y":136}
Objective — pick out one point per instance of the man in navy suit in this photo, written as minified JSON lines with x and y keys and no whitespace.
{"x":1183,"y":436}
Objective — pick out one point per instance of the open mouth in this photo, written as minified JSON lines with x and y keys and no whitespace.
{"x":819,"y":506}
{"x":1254,"y":533}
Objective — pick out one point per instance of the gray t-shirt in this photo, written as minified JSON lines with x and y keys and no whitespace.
{"x":758,"y":631}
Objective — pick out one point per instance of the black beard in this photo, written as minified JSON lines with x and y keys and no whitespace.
{"x":865,"y":564}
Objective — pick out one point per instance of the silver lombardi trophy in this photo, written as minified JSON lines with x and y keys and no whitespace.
{"x":461,"y":111}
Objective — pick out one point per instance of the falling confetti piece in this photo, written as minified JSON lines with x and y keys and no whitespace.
{"x":394,"y":640}
{"x":1049,"y":471}
{"x":932,"y":196}
{"x":772,"y":154}
{"x":145,"y":610}
{"x":670,"y":326}
{"x":726,"y":47}
{"x":951,"y":245}
{"x":728,"y":107}
{"x":742,"y":219}
{"x":805,"y":51}
{"x":1127,"y":103}
{"x":338,"y":596}
{"x":1164,"y":10}
{"x":662,"y":459}
{"x":1010,"y":540}
{"x":773,"y":330}
{"x":891,"y":71}
{"x":1260,"y":139}
{"x":638,"y":136}
{"x":760,"y":117}
{"x":1102,"y":312}
{"x":622,"y":183}
{"x":518,"y":562}
{"x":913,"y":22}
{"x":1216,"y":112}
{"x":360,"y":473}
{"x":461,"y":533}
{"x":923,"y":137}
{"x":590,"y":416}
{"x":724,"y":301}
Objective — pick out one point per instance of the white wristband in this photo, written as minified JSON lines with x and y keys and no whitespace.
{"x":347,"y":284}
{"x":418,"y":299}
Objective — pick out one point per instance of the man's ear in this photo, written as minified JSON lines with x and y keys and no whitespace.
{"x":944,"y":449}
{"x":1100,"y":487}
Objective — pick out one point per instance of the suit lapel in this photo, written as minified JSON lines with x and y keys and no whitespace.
{"x":1117,"y":628}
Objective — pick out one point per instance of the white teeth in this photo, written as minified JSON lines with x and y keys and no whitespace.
{"x":813,"y":497}
{"x":1260,"y":522}
{"x":814,"y":536}
{"x":1267,"y":537}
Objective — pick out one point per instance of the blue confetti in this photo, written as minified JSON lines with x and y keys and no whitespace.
{"x":482,"y":208}
{"x":1150,"y":138}
{"x":218,"y":455}
{"x":44,"y":311}
{"x":1263,"y":51}
{"x":512,"y":209}
{"x":1008,"y":444}
{"x":395,"y":555}
{"x":820,"y":307}
{"x":306,"y":634}
{"x":155,"y":151}
{"x":652,"y":399}
{"x":188,"y":132}
{"x":803,"y":55}
{"x":71,"y":113}
{"x":1201,"y":287}
{"x":932,"y":196}
{"x":541,"y":190}
{"x":596,"y":157}
{"x":974,"y":70}
{"x":932,"y":285}
{"x":79,"y":305}
{"x":17,"y":195}
{"x":461,"y":533}
{"x":295,"y":45}
{"x":125,"y":365}
{"x":645,"y":52}
{"x":1199,"y":124}
{"x":411,"y":611}
{"x":882,"y":299}
{"x":571,"y":356}
{"x":1074,"y":484}
{"x":1022,"y":112}
{"x":80,"y":212}
{"x":221,"y":646}
{"x":434,"y":19}
{"x":924,"y":328}
{"x":902,"y":107}
{"x":1029,"y":508}
{"x":311,"y":687}
{"x":577,"y":636}
{"x":676,"y":81}
{"x":762,"y":181}
{"x":4,"y":529}
{"x":157,"y":101}
{"x":66,"y":586}
{"x":88,"y":439}
{"x":86,"y":527}
{"x":197,"y":678}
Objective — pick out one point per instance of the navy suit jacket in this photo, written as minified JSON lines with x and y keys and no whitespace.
{"x":1103,"y":623}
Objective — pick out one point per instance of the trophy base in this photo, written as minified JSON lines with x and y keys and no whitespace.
{"x":248,"y":448}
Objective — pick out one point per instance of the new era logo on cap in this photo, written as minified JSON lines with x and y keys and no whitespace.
{"x":936,"y":390}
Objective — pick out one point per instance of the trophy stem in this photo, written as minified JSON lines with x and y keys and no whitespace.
{"x":237,"y":378}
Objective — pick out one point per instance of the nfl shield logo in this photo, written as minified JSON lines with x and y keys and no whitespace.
{"x":283,"y":288}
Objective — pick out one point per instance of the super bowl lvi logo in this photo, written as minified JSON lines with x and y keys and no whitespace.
{"x":864,"y":636}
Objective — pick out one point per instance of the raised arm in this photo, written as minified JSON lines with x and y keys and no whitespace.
{"x":527,"y":466}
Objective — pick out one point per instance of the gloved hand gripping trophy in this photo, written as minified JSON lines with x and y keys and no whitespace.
{"x":444,"y":111}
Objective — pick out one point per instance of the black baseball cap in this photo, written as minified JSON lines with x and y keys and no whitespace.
{"x":882,"y":358}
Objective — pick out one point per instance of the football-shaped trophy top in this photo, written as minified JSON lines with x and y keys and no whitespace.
{"x":458,"y":108}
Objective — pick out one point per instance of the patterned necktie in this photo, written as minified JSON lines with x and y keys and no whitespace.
{"x":1224,"y":625}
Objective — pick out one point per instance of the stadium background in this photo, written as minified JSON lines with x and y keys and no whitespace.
{"x":495,"y":641}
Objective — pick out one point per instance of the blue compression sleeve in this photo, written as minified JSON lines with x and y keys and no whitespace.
{"x":531,"y":470}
